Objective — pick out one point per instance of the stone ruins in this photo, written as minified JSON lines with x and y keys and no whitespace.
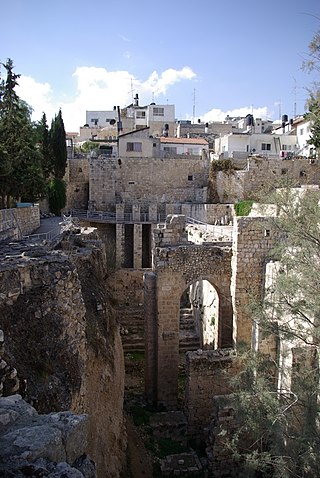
{"x":160,"y":265}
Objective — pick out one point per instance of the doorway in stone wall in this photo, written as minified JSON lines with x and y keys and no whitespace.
{"x":198,"y":324}
{"x":199,"y":316}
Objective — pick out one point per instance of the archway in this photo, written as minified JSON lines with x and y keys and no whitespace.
{"x":199,"y":317}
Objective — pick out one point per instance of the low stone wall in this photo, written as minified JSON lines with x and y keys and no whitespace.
{"x":234,"y":185}
{"x":19,"y":221}
{"x":206,"y":378}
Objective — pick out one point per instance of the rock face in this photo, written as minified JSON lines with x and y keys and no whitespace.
{"x":42,"y":445}
{"x":62,"y":337}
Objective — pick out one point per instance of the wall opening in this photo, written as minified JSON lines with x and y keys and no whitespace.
{"x":146,"y":246}
{"x":199,"y":317}
{"x":128,"y":245}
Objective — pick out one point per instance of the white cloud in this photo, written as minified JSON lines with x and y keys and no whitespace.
{"x":124,"y":38}
{"x":98,"y":89}
{"x":219,"y":115}
{"x":37,"y":95}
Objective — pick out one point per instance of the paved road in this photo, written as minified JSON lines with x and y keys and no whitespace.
{"x":48,"y":224}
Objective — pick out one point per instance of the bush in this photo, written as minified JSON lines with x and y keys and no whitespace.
{"x":243,"y":208}
{"x":57,"y":195}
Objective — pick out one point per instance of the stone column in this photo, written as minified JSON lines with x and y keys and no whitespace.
{"x":120,"y":212}
{"x":120,"y":238}
{"x":137,"y":246}
{"x":150,"y":333}
{"x":136,"y":212}
{"x":167,"y":342}
{"x":153,"y":216}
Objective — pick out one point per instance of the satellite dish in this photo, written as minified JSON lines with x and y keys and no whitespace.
{"x":112,"y":122}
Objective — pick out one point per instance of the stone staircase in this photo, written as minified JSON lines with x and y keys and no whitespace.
{"x":132,"y":330}
{"x":188,"y":336}
{"x":131,"y":320}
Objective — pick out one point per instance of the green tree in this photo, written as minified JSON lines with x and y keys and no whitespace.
{"x":58,"y":146}
{"x":22,"y":176}
{"x":43,"y":140}
{"x":313,"y":102}
{"x":276,"y":395}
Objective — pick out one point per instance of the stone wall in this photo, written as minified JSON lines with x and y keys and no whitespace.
{"x":77,"y":180}
{"x":63,"y":338}
{"x":19,"y":221}
{"x":253,"y":240}
{"x":147,"y":180}
{"x":206,"y":378}
{"x":261,"y":172}
{"x":176,"y":267}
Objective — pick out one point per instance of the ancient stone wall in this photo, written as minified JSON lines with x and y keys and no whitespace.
{"x":261,"y":172}
{"x":147,"y":180}
{"x":206,"y":378}
{"x":176,"y":267}
{"x":253,"y":240}
{"x":63,"y":339}
{"x":19,"y":221}
{"x":77,"y":180}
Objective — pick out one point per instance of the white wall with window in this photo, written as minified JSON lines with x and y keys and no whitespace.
{"x":100,"y":119}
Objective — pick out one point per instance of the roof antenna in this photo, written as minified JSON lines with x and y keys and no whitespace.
{"x":194,"y":105}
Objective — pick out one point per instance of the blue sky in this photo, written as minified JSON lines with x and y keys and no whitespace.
{"x":223,"y":57}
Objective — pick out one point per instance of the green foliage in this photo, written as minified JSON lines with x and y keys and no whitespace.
{"x":20,"y":161}
{"x":43,"y":140}
{"x":278,"y":427}
{"x":88,"y":146}
{"x":313,"y":103}
{"x":243,"y":208}
{"x":56,"y":195}
{"x":58,"y":145}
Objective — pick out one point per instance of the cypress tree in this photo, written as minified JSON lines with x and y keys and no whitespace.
{"x":58,"y":146}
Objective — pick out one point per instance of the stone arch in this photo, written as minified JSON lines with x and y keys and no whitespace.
{"x":199,"y":316}
{"x":174,"y":269}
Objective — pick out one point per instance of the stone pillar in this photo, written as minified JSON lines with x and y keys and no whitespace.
{"x":136,"y":212}
{"x":120,"y":212}
{"x":137,"y":246}
{"x":150,"y":333}
{"x":153,"y":213}
{"x":168,"y":342}
{"x":120,"y":238}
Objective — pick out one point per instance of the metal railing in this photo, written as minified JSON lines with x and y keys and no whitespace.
{"x":216,"y":231}
{"x":117,"y":218}
{"x":44,"y":236}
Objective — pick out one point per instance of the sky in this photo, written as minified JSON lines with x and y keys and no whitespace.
{"x":209,"y":58}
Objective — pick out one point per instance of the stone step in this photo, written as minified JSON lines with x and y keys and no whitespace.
{"x":188,"y":341}
{"x":133,"y":343}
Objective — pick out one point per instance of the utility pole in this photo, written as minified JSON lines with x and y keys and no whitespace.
{"x":194,"y":105}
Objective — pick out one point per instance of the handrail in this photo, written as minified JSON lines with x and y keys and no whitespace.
{"x":118,"y":218}
{"x":44,"y":236}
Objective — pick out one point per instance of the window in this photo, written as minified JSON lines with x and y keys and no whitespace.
{"x":154,"y":145}
{"x":301,"y":131}
{"x":284,"y":171}
{"x":266,"y":147}
{"x":94,"y":121}
{"x":190,"y":177}
{"x":170,"y":150}
{"x":140,"y":114}
{"x":136,"y":147}
{"x":131,"y":182}
{"x":158,"y":111}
